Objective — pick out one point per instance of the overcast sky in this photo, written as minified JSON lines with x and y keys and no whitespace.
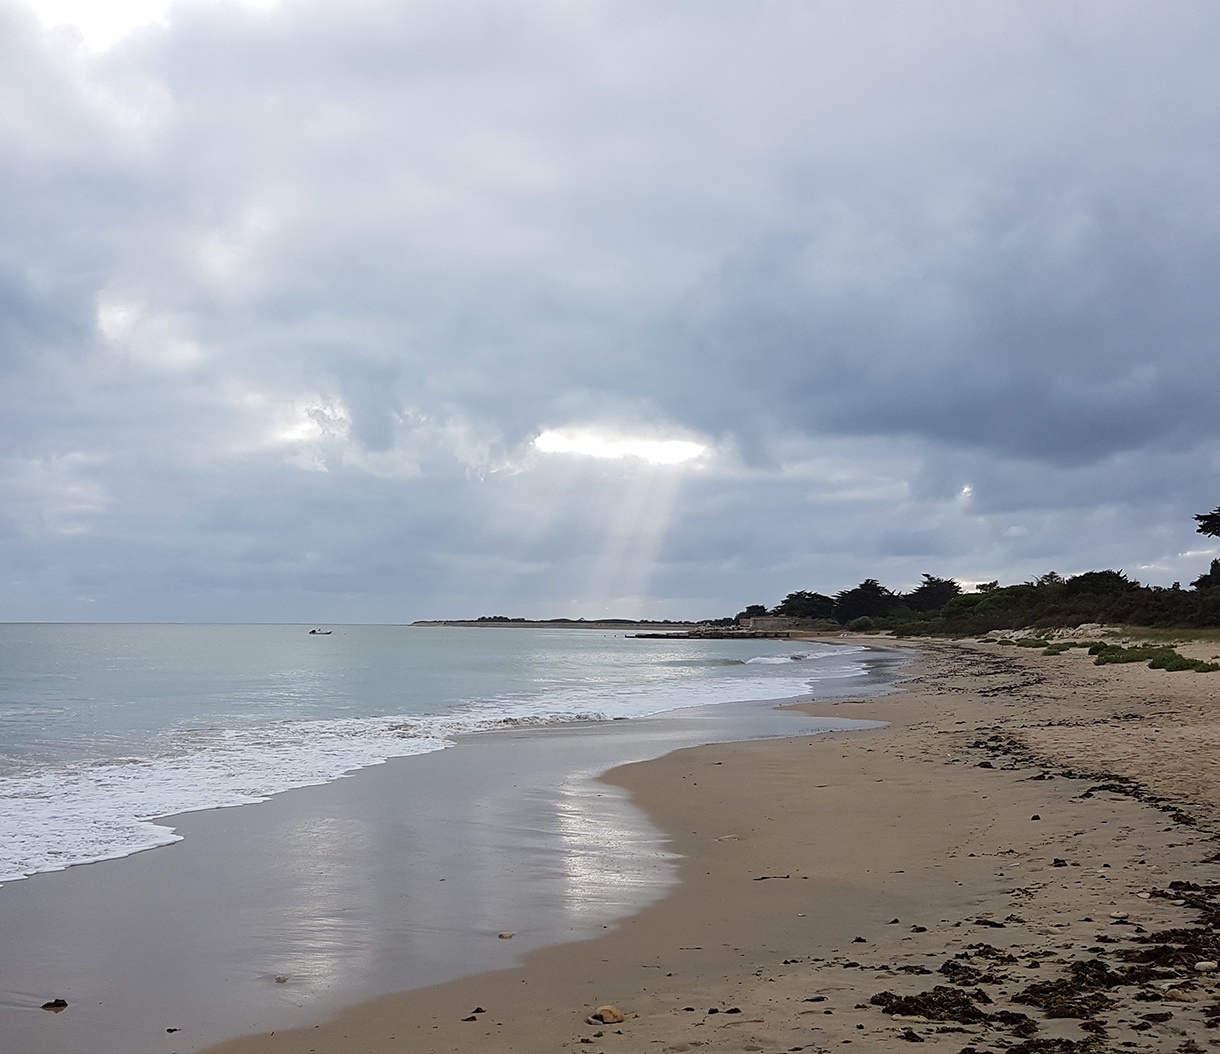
{"x":387,"y":309}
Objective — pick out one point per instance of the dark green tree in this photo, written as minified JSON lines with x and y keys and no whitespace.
{"x":1209,"y":522}
{"x":1103,"y":582}
{"x":751,"y":611}
{"x":932,"y":593}
{"x":870,"y":598}
{"x":1210,"y":580}
{"x":803,"y":604}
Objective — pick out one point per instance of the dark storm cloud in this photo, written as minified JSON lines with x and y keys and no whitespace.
{"x":1049,"y":344}
{"x":285,"y":295}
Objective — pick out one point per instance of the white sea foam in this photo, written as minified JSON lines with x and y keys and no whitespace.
{"x":76,"y":814}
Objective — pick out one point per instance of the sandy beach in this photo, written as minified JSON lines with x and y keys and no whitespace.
{"x":1024,"y":858}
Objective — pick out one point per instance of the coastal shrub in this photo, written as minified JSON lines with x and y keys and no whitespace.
{"x":1033,"y":642}
{"x":821,"y":624}
{"x":1115,"y":653}
{"x":862,"y":623}
{"x":1158,"y":657}
{"x":1173,"y":662}
{"x":1099,"y":583}
{"x":1057,"y":648}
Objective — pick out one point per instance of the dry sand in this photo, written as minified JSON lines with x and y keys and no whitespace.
{"x":978,"y":853}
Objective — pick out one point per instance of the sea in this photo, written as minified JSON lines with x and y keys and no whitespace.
{"x":107,"y":729}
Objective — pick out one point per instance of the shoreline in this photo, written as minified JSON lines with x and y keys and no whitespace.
{"x":398,"y":875}
{"x":1013,"y":836}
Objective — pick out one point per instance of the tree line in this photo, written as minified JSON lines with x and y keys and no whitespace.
{"x":940,"y":605}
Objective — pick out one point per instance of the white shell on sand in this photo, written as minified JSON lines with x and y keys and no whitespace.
{"x":607,"y":1015}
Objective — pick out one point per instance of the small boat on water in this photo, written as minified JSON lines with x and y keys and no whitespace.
{"x":321,"y":632}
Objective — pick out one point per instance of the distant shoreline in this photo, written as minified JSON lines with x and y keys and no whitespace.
{"x":557,"y":623}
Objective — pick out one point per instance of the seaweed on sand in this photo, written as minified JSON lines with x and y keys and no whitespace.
{"x":942,"y":1003}
{"x":1079,"y":995}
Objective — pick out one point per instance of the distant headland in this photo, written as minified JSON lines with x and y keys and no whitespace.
{"x":503,"y":621}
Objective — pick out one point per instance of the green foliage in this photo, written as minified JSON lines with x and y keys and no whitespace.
{"x":751,"y":611}
{"x":1104,"y":583}
{"x":1096,"y":596}
{"x":824,"y":624}
{"x":1210,"y":580}
{"x":1172,"y":661}
{"x":1158,"y":657}
{"x":803,"y":604}
{"x":870,"y":598}
{"x":963,"y":605}
{"x":938,"y":605}
{"x":932,"y":593}
{"x":1209,"y":522}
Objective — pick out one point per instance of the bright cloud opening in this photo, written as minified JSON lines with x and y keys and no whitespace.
{"x":103,"y":23}
{"x":593,"y":444}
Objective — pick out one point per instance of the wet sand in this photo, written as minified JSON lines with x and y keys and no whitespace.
{"x":402,"y":875}
{"x":1027,"y":850}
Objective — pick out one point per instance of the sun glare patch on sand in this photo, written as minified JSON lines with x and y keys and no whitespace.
{"x":593,"y":444}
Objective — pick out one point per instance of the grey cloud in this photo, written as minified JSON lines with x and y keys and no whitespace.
{"x":1059,"y":353}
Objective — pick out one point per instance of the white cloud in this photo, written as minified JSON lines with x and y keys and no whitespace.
{"x":103,"y":23}
{"x":609,"y":445}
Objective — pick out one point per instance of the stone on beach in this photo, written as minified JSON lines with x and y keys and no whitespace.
{"x":607,"y":1015}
